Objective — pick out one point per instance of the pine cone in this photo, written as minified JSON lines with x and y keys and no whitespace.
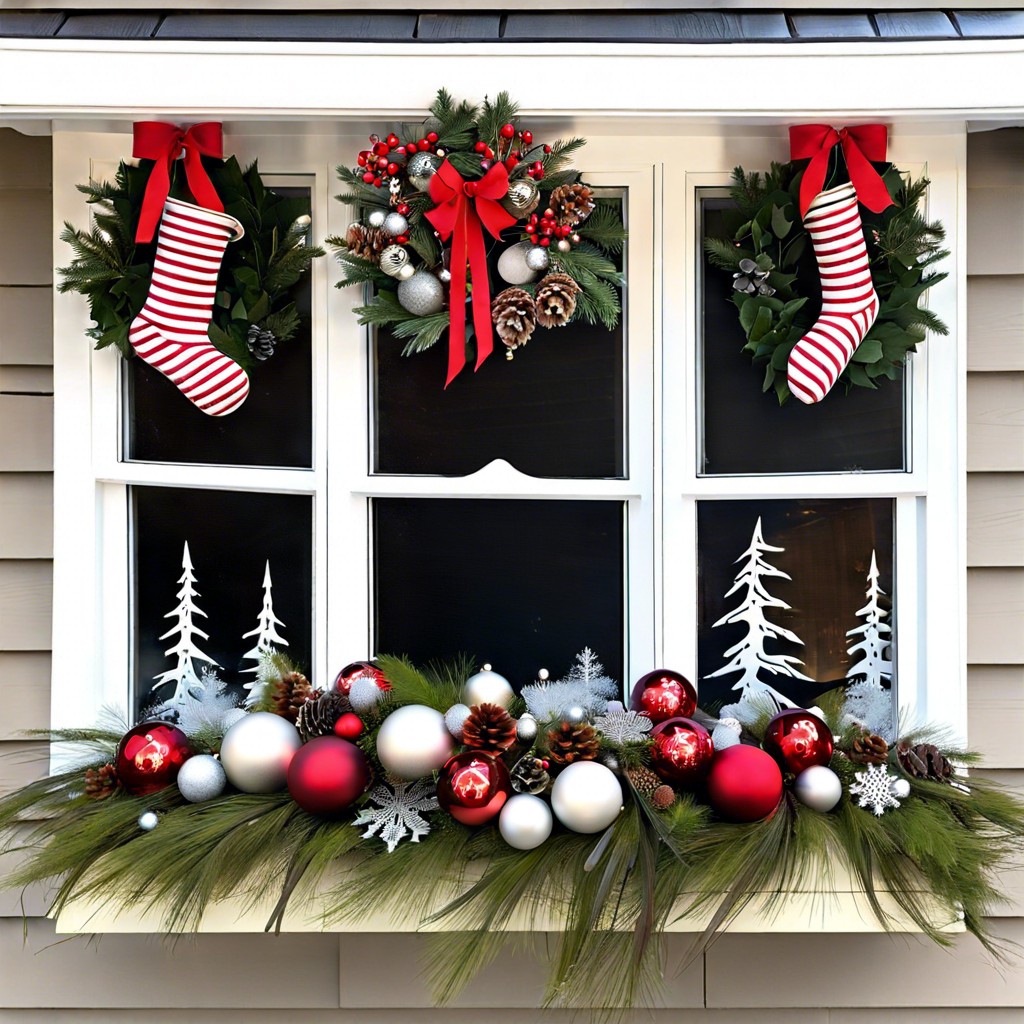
{"x":572,"y":204}
{"x":570,"y":742}
{"x":556,"y":300}
{"x":530,"y":775}
{"x":514,"y":316}
{"x":101,"y":782}
{"x":868,"y":748}
{"x":260,"y":342}
{"x":290,"y":692}
{"x":924,"y":761}
{"x":317,"y":717}
{"x":366,"y":243}
{"x":644,"y":781}
{"x":490,"y":728}
{"x":663,"y":797}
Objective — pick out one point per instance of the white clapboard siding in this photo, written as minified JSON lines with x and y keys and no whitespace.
{"x":25,"y":682}
{"x":995,"y":611}
{"x":26,"y":433}
{"x":995,"y":319}
{"x":26,"y":255}
{"x":26,"y":589}
{"x":995,"y":519}
{"x":995,"y":422}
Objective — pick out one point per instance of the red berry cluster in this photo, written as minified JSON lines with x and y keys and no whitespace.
{"x":380,"y":159}
{"x":545,"y":227}
{"x":512,"y":144}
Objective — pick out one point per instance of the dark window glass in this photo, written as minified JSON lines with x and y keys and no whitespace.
{"x":555,"y":410}
{"x":827,"y":549}
{"x":273,"y":427}
{"x":231,"y":538}
{"x":746,"y":431}
{"x":520,"y":584}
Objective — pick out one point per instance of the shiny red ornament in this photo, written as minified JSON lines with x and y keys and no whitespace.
{"x":798,"y":740}
{"x":359,"y":670}
{"x":664,"y":694}
{"x":473,"y":787}
{"x":327,"y":774}
{"x":682,"y":751}
{"x":149,"y":756}
{"x":348,"y":726}
{"x":744,"y":783}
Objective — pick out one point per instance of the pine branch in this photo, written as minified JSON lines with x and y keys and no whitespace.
{"x":724,"y":254}
{"x":495,"y":115}
{"x":561,"y":151}
{"x":604,"y":228}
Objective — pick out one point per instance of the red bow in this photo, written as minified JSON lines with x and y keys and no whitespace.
{"x":461,"y":208}
{"x":861,"y":144}
{"x":164,"y":143}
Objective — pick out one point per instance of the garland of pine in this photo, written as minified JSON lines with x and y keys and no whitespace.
{"x":616,"y":894}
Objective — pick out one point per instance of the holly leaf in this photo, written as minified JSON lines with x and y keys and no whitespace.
{"x":762,"y":324}
{"x":869,"y":351}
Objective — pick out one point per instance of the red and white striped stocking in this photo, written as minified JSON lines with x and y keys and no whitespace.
{"x":849,"y":304}
{"x":170,"y":332}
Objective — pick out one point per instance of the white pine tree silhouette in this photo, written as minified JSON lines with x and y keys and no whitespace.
{"x":267,"y":636}
{"x":184,"y":674}
{"x":869,"y":697}
{"x":749,"y":657}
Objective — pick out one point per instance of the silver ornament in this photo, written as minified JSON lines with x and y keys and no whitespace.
{"x":420,"y":168}
{"x":726,"y":734}
{"x":395,"y":224}
{"x":900,"y":788}
{"x":525,"y":822}
{"x":609,"y":760}
{"x":522,"y":199}
{"x":148,"y":821}
{"x":586,"y":797}
{"x":537,"y":258}
{"x":364,"y":694}
{"x":455,"y":718}
{"x":376,"y":219}
{"x":302,"y":223}
{"x":422,"y":294}
{"x":564,"y":245}
{"x":392,"y":259}
{"x":526,"y":728}
{"x":818,"y":787}
{"x":201,"y":778}
{"x":488,"y":687}
{"x":229,"y":718}
{"x":413,"y":742}
{"x":512,"y":265}
{"x":257,"y":750}
{"x":576,"y":714}
{"x":444,"y":276}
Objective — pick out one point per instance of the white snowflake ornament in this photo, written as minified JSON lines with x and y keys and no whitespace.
{"x":623,"y":727}
{"x":398,"y":812}
{"x":873,"y":788}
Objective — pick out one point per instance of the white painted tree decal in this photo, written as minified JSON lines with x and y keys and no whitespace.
{"x":749,"y":657}
{"x":267,"y":636}
{"x":869,"y":697}
{"x":184,"y":675}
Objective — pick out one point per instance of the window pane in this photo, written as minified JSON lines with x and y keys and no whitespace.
{"x":520,"y":584}
{"x":745,"y":431}
{"x":774,"y":573}
{"x":201,"y":563}
{"x":556,"y":410}
{"x":273,"y":427}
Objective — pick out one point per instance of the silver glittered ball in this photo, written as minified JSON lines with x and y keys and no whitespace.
{"x":900,"y":788}
{"x":586,"y":797}
{"x":257,"y":750}
{"x":201,"y":778}
{"x":444,"y":276}
{"x":537,"y":258}
{"x":395,"y":224}
{"x":231,"y":716}
{"x":564,"y":245}
{"x":413,"y":742}
{"x":421,"y":294}
{"x":376,"y":219}
{"x":526,"y":728}
{"x":392,"y":258}
{"x":488,"y":687}
{"x":420,"y":168}
{"x":148,"y":821}
{"x":512,"y":265}
{"x":726,"y":734}
{"x":575,"y":714}
{"x":818,"y":787}
{"x":522,"y":199}
{"x":525,"y":822}
{"x":363,"y":694}
{"x":455,"y":718}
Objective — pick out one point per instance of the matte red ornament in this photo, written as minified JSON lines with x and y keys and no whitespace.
{"x":149,"y":756}
{"x":798,"y":740}
{"x":348,"y":726}
{"x":664,"y":694}
{"x":473,"y":787}
{"x":327,"y":774}
{"x":682,"y":751}
{"x":744,"y":783}
{"x":359,"y":670}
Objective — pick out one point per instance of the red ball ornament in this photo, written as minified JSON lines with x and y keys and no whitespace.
{"x":473,"y":787}
{"x":798,"y":740}
{"x":664,"y":694}
{"x":682,"y":751}
{"x":327,"y":774}
{"x":348,"y":726}
{"x":359,"y":670}
{"x":744,"y":783}
{"x":149,"y":756}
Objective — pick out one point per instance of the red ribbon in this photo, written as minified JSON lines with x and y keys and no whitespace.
{"x":861,"y":144}
{"x":164,"y":143}
{"x":462,"y":207}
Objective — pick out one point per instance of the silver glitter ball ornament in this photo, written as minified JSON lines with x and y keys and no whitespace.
{"x":421,"y":294}
{"x":818,"y":787}
{"x":420,"y":168}
{"x":525,"y":822}
{"x":413,"y":741}
{"x":376,"y":219}
{"x":444,"y":276}
{"x":526,"y":728}
{"x":537,"y":258}
{"x":576,"y":714}
{"x":395,"y":224}
{"x":148,"y":821}
{"x":488,"y":687}
{"x":522,"y":199}
{"x":201,"y":778}
{"x":257,"y":750}
{"x":455,"y":718}
{"x":586,"y":797}
{"x":392,"y":259}
{"x":364,"y":694}
{"x":512,"y":265}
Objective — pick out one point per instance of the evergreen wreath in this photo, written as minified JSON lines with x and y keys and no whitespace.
{"x":775,"y":287}
{"x":255,"y":303}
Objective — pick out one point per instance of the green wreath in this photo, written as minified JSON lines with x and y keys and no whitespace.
{"x":778,"y":295}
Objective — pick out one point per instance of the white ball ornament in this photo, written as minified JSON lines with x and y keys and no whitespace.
{"x":148,"y":821}
{"x":818,"y":787}
{"x":376,"y":219}
{"x":586,"y":797}
{"x":455,"y":718}
{"x":526,"y":728}
{"x":201,"y":778}
{"x":525,"y":822}
{"x":392,"y":259}
{"x":900,"y":788}
{"x":231,"y":716}
{"x":395,"y":224}
{"x":488,"y":687}
{"x":422,"y":294}
{"x":406,"y":272}
{"x":257,"y":750}
{"x":512,"y":265}
{"x":413,"y":741}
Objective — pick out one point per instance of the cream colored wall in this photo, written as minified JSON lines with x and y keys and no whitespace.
{"x":372,"y":978}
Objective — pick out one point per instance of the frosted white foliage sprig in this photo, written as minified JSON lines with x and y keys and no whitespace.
{"x":623,"y":727}
{"x":873,"y":789}
{"x":398,"y":812}
{"x":205,"y":706}
{"x":585,"y":686}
